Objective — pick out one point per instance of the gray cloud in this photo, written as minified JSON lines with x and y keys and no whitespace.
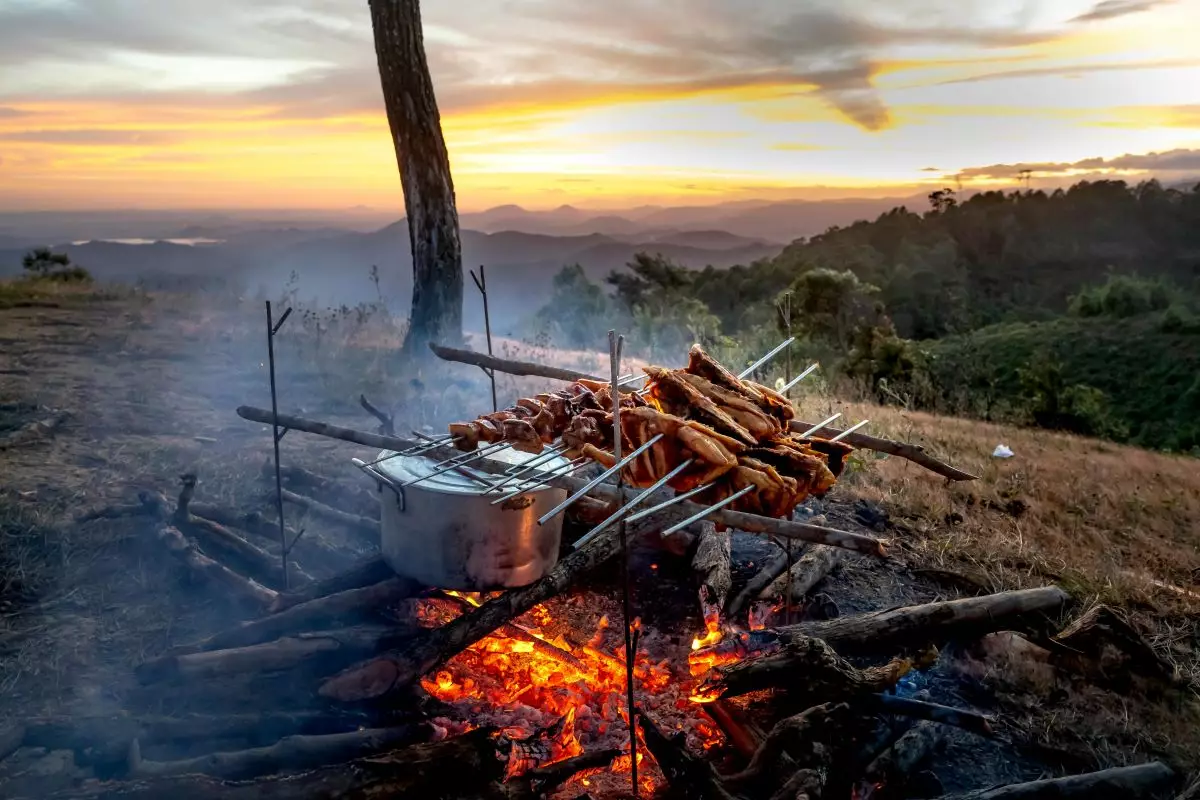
{"x":1078,"y":69}
{"x":1181,"y":160}
{"x":483,"y":53}
{"x":1111,"y":9}
{"x":106,"y":137}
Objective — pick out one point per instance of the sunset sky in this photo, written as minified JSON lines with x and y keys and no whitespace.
{"x":262,"y":103}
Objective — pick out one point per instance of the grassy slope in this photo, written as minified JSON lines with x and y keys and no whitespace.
{"x":1144,"y":370}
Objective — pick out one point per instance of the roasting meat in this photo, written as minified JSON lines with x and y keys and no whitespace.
{"x":730,"y":433}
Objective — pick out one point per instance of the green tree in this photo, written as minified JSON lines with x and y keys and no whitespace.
{"x":43,"y":263}
{"x":579,"y":312}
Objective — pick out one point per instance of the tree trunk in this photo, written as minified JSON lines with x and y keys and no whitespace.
{"x":424,"y":174}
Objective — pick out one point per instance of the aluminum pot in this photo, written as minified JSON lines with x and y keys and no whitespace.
{"x":444,"y":532}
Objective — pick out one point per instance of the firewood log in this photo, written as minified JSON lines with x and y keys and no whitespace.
{"x":743,"y":735}
{"x":463,"y":766}
{"x":711,"y":565}
{"x":322,"y":653}
{"x":1113,"y":646}
{"x":769,"y":572}
{"x":290,"y":753}
{"x":365,"y":527}
{"x":366,"y":572}
{"x":687,"y":776}
{"x":889,"y":773}
{"x":801,"y":741}
{"x":351,"y":606}
{"x":207,"y":570}
{"x":1119,"y":783}
{"x":959,"y":718}
{"x":912,"y":626}
{"x":808,"y":668}
{"x":809,"y":570}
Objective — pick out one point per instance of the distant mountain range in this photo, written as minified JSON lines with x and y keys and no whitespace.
{"x":331,"y":254}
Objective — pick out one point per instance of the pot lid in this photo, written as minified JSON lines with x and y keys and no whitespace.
{"x":406,"y":468}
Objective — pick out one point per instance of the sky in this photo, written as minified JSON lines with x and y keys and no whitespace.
{"x":271,"y":104}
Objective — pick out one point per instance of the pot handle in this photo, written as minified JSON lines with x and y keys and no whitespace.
{"x":382,"y":480}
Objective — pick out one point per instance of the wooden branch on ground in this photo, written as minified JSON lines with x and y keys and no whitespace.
{"x":913,"y":626}
{"x":323,"y":650}
{"x":518,"y":368}
{"x":1120,"y":783}
{"x":255,"y":523}
{"x":799,"y":742}
{"x":291,"y":753}
{"x":805,"y":784}
{"x":462,"y":766}
{"x":889,"y":773}
{"x":352,"y":606}
{"x":362,"y":525}
{"x":808,"y":668}
{"x":771,"y":570}
{"x":744,"y":735}
{"x":751,"y":523}
{"x":387,"y":423}
{"x":711,"y":565}
{"x":208,"y":571}
{"x":686,"y":775}
{"x":366,"y":572}
{"x":540,"y":782}
{"x":1104,"y":637}
{"x":223,"y":544}
{"x":911,"y":452}
{"x":330,"y":491}
{"x":806,"y":574}
{"x":960,"y":718}
{"x":396,"y":671}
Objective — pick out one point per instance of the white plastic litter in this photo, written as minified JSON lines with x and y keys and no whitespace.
{"x":1002,"y":451}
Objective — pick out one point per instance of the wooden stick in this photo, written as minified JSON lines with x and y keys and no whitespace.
{"x":366,"y":572}
{"x":394,"y":672}
{"x":796,"y":741}
{"x":959,"y":718}
{"x":711,"y":565}
{"x":808,"y":668}
{"x":914,"y":626}
{"x":364,"y":525}
{"x":323,"y":612}
{"x":756,"y":584}
{"x":386,"y":421}
{"x":519,"y":368}
{"x":745,"y":737}
{"x":210,"y":571}
{"x":911,"y":452}
{"x":541,"y":782}
{"x":687,"y":775}
{"x":330,"y":491}
{"x":326,"y":650}
{"x":808,"y":571}
{"x":1119,"y":783}
{"x":1092,"y":634}
{"x":733,"y":519}
{"x":290,"y":753}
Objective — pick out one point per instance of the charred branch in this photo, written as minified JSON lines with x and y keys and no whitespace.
{"x":967,"y":720}
{"x":889,"y":773}
{"x":801,"y":741}
{"x":914,"y":626}
{"x":352,"y":606}
{"x":1120,"y":783}
{"x":365,"y":526}
{"x":686,"y":775}
{"x":387,"y":423}
{"x":808,"y":668}
{"x":365,"y":573}
{"x":540,"y":782}
{"x":806,"y":574}
{"x":743,"y":734}
{"x":770,"y":571}
{"x":711,"y":565}
{"x":209,"y":571}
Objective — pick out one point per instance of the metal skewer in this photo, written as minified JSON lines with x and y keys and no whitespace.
{"x":702,"y":514}
{"x":849,"y":430}
{"x":594,"y":481}
{"x":532,"y":482}
{"x":787,"y":386}
{"x":818,"y":426}
{"x":521,"y":469}
{"x":459,"y":461}
{"x":625,"y":509}
{"x":778,"y":349}
{"x":679,"y":498}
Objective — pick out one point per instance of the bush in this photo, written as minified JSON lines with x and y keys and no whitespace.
{"x":43,"y":264}
{"x":1124,"y":296}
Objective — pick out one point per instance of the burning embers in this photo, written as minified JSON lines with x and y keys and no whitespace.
{"x":554,"y":683}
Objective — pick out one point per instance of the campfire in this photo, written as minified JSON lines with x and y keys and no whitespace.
{"x":379,"y":680}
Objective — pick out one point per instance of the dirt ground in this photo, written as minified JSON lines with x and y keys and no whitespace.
{"x":134,"y":390}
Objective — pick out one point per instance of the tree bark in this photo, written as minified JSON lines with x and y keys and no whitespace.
{"x":424,"y":164}
{"x":1120,"y":783}
{"x":914,"y":626}
{"x":712,"y":566}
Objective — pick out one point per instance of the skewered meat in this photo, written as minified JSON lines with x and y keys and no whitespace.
{"x":834,"y":453}
{"x":775,"y":403}
{"x":741,"y":408}
{"x":676,"y":396}
{"x":523,"y":435}
{"x":702,"y":364}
